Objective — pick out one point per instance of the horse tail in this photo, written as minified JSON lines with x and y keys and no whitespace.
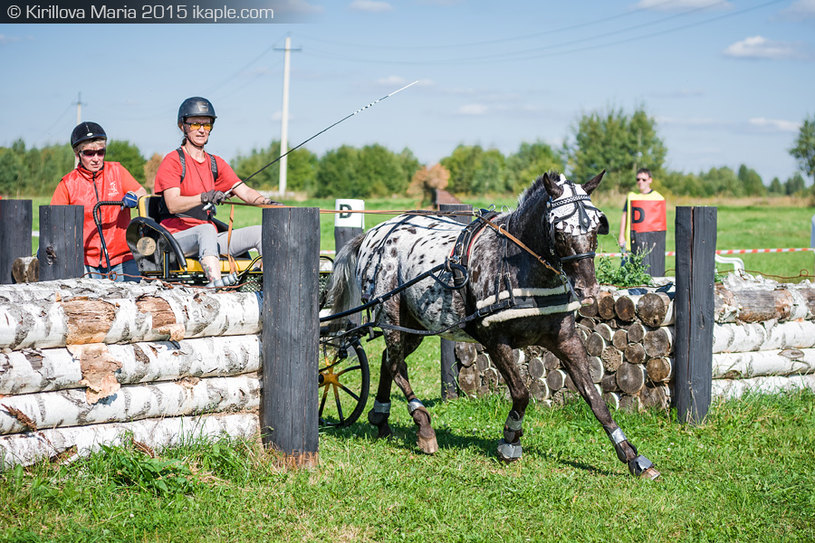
{"x":344,"y":289}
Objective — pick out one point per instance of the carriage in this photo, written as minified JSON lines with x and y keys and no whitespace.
{"x":343,"y":374}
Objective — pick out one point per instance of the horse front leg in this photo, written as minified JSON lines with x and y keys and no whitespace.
{"x":509,"y":447}
{"x":573,"y":354}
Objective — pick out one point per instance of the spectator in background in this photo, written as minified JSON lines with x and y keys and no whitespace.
{"x":94,"y":180}
{"x":643,"y":224}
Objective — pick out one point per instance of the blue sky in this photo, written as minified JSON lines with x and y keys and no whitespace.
{"x":728,"y":82}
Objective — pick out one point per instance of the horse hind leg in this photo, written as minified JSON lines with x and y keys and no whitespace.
{"x":378,"y":416}
{"x":573,"y":354}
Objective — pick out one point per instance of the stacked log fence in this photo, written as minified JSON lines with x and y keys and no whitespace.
{"x":87,"y":362}
{"x":763,"y":341}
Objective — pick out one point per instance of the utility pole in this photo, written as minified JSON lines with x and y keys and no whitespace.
{"x":78,"y":104}
{"x":284,"y":118}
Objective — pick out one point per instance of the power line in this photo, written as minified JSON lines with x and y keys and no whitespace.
{"x":593,"y":22}
{"x":550,"y":50}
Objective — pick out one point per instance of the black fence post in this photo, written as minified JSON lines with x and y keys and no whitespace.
{"x":61,"y":252}
{"x":347,"y":225}
{"x":449,"y":387}
{"x":16,"y":218}
{"x":695,"y":277}
{"x":291,"y":333}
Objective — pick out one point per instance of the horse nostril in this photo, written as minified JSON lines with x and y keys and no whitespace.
{"x":585,"y":302}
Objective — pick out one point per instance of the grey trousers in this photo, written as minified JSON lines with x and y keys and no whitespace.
{"x":204,"y":240}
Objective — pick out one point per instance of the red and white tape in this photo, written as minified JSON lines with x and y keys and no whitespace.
{"x":733,"y":251}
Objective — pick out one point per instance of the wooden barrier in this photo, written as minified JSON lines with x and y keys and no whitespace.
{"x":695,"y":251}
{"x":291,"y":331}
{"x":15,"y":221}
{"x":62,"y":253}
{"x":100,"y":359}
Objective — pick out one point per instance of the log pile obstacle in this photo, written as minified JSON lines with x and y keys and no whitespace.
{"x":763,"y":341}
{"x":85,"y":362}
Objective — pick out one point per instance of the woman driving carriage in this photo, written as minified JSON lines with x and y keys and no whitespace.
{"x":192,"y":182}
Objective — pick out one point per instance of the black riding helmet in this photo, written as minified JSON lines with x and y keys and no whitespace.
{"x":195,"y":107}
{"x":87,"y":131}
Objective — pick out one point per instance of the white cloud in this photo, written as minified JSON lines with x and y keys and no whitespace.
{"x":759,"y":47}
{"x":472,"y":109}
{"x":678,"y":5}
{"x":775,"y":125}
{"x":8,"y":39}
{"x":371,"y":6}
{"x":802,"y":9}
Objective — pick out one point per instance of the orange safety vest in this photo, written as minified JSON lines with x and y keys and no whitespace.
{"x":644,"y":213}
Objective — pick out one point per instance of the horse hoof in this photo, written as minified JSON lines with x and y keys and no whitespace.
{"x":650,"y":474}
{"x":509,"y":452}
{"x":428,"y":445}
{"x":643,"y":468}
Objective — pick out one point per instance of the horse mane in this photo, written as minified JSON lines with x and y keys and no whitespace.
{"x":537,"y":188}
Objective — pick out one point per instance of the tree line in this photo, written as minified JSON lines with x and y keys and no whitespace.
{"x":613,"y":140}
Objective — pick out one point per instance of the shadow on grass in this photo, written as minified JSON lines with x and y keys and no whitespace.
{"x":404,"y":438}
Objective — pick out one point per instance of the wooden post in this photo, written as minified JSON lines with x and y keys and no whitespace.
{"x":347,"y":225}
{"x":447,"y":347}
{"x":291,"y":333}
{"x":61,"y":252}
{"x":694,"y":303}
{"x":15,"y":235}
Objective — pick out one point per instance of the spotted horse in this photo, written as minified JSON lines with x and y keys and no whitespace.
{"x":526,"y":274}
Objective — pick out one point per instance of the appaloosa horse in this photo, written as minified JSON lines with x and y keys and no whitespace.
{"x":524,"y":277}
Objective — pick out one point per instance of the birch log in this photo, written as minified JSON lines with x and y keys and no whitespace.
{"x":636,"y":332}
{"x":605,"y":305}
{"x":658,"y":342}
{"x":172,"y":314}
{"x":735,"y":388}
{"x":620,"y":339}
{"x":634,"y":353}
{"x":31,"y":447}
{"x":630,"y":377}
{"x":595,"y":344}
{"x":625,"y":308}
{"x":26,"y":269}
{"x":655,"y":309}
{"x":659,"y":369}
{"x":763,"y":336}
{"x":612,"y":357}
{"x":761,"y":363}
{"x":41,"y":370}
{"x":753,"y":304}
{"x":189,"y":396}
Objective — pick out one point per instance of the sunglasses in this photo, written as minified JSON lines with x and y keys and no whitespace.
{"x":196,"y":126}
{"x":642,"y":179}
{"x":88,"y":153}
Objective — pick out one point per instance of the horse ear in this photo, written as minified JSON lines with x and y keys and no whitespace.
{"x":590,"y":185}
{"x":554,"y":190}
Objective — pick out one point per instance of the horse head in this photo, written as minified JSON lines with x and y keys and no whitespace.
{"x":573,"y":223}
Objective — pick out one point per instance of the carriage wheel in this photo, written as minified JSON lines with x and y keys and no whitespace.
{"x":344,"y":379}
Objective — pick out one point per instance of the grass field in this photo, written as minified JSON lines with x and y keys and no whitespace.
{"x":747,"y":473}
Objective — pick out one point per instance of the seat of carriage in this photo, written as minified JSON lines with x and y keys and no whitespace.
{"x":157,"y":252}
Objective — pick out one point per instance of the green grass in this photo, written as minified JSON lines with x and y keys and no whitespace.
{"x":746,"y":474}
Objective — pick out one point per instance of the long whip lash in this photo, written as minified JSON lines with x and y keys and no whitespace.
{"x":326,"y":129}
